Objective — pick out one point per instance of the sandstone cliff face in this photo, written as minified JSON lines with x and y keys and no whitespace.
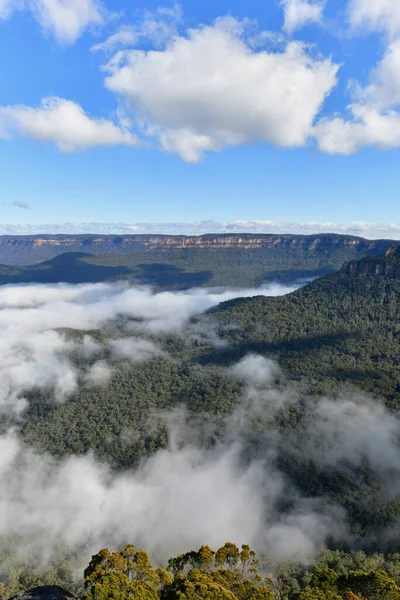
{"x":24,"y":250}
{"x":206,"y":241}
{"x":385,"y":266}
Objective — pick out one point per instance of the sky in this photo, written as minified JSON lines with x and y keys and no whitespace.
{"x":194,"y":116}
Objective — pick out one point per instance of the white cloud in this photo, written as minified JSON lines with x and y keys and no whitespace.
{"x":381,"y":15}
{"x":98,"y":374}
{"x":358,"y":228}
{"x":367,"y":128}
{"x":375,"y":118}
{"x":64,"y":123}
{"x":256,"y":370}
{"x":66,"y":20}
{"x":298,"y":13}
{"x":210,"y":90}
{"x":179,"y":498}
{"x":383,"y":91}
{"x":158,"y":27}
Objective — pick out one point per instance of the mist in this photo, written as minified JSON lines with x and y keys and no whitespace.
{"x":35,"y":350}
{"x":205,"y":487}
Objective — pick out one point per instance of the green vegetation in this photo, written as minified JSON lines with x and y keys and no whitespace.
{"x":229,"y":573}
{"x":282,"y":258}
{"x":339,"y":333}
{"x":344,"y":328}
{"x":121,"y":421}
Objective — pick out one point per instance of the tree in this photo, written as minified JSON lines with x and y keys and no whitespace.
{"x":122,"y":575}
{"x":228,"y":574}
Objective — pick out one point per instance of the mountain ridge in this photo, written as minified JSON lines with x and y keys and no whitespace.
{"x":29,"y":249}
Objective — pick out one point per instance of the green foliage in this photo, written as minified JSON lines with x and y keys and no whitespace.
{"x":23,"y":568}
{"x":120,"y":421}
{"x":340,"y":329}
{"x":199,"y":575}
{"x":228,"y":574}
{"x":125,"y":574}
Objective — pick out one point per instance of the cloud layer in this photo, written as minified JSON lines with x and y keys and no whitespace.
{"x":191,"y":492}
{"x":35,"y":353}
{"x":188,"y":494}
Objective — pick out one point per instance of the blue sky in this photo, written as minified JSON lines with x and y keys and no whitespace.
{"x":280,"y":111}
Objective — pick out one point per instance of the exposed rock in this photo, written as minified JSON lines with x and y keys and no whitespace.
{"x":46,"y":592}
{"x":387,"y":265}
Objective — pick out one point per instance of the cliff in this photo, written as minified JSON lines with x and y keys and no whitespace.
{"x":387,"y":265}
{"x":24,"y":250}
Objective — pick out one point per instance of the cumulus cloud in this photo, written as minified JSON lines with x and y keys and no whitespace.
{"x":210,"y":89}
{"x":67,"y":19}
{"x":298,"y":13}
{"x":383,"y":90}
{"x":63,"y":123}
{"x":374,"y":113}
{"x":367,"y":128}
{"x":158,"y":27}
{"x":378,"y":15}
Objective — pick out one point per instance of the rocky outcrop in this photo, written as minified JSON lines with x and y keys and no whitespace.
{"x":387,"y":265}
{"x":46,"y":592}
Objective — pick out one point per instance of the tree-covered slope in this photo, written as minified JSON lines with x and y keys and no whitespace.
{"x":343,"y":328}
{"x":340,"y":328}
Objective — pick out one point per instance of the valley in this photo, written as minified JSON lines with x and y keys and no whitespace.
{"x":130,"y":380}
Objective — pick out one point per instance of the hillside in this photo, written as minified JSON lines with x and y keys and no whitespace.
{"x":180,"y":263}
{"x":338,"y":332}
{"x":340,"y":328}
{"x":325,"y":249}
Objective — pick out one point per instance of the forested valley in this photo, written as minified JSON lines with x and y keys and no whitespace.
{"x":301,"y":391}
